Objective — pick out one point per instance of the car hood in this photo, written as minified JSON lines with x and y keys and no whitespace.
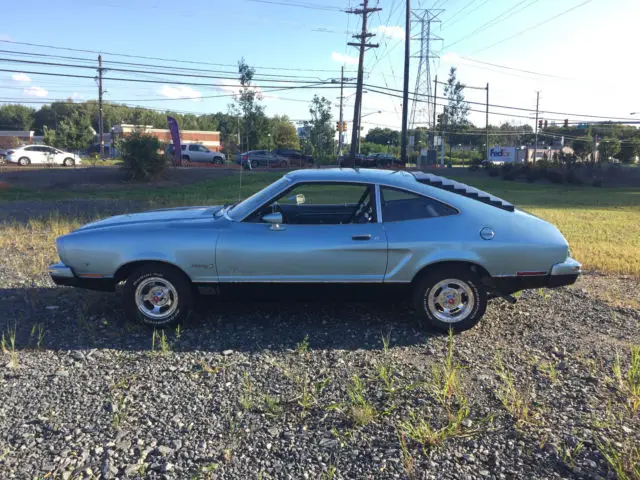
{"x":154,"y":216}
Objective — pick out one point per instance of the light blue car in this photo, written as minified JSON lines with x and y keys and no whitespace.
{"x":448,"y":246}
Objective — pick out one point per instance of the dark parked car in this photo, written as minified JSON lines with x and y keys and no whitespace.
{"x":382,"y":160}
{"x":262,"y":158}
{"x":296,"y":157}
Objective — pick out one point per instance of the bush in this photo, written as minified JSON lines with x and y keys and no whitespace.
{"x":493,"y":172}
{"x":571,"y":178}
{"x":555,"y":177}
{"x":141,"y":157}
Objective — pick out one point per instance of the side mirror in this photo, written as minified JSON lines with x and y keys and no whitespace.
{"x":275,"y":219}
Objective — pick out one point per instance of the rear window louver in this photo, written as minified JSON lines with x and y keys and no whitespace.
{"x":462,"y":189}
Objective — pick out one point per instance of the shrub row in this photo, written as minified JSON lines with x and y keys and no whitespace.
{"x":541,"y":172}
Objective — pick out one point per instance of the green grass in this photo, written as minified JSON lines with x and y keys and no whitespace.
{"x":602,"y":225}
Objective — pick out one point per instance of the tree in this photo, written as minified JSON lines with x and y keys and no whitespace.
{"x":629,"y":150}
{"x":49,"y":136}
{"x":608,"y":148}
{"x":383,"y":136}
{"x":140,"y":157}
{"x":254,"y":121}
{"x":583,"y":146}
{"x":283,"y":133}
{"x":16,"y":117}
{"x":320,"y":127}
{"x":74,"y":133}
{"x":457,"y":109}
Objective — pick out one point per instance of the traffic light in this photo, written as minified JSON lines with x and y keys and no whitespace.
{"x":540,"y":124}
{"x":566,"y":123}
{"x":338,"y":127}
{"x":344,"y":126}
{"x":545,"y":124}
{"x":439,"y":121}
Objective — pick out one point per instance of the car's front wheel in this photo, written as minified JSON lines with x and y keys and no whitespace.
{"x":450,"y":298}
{"x":218,"y":161}
{"x":158,"y":295}
{"x":24,"y":161}
{"x":68,"y":162}
{"x":254,"y":164}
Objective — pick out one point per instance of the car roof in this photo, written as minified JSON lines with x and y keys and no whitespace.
{"x":368,"y":175}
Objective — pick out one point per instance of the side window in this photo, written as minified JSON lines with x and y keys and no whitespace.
{"x":322,"y":204}
{"x":30,"y":149}
{"x":399,"y":205}
{"x":194,"y":148}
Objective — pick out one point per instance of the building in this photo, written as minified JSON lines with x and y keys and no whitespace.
{"x":23,"y":136}
{"x":211,"y":140}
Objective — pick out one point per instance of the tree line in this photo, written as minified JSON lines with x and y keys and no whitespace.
{"x":245,"y":125}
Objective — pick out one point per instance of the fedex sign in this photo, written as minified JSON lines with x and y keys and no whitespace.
{"x":502,"y":154}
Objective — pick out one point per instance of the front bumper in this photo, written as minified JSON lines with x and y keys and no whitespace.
{"x":64,"y":276}
{"x":562,"y":274}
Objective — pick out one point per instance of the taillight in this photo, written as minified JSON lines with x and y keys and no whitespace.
{"x":244,"y":157}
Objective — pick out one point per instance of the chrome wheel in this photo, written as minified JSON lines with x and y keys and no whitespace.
{"x":450,"y":300}
{"x":156,"y":298}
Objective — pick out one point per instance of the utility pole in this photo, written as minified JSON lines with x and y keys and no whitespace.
{"x":340,"y":136}
{"x":100,"y":124}
{"x":535,"y":147}
{"x":444,"y":127}
{"x":487,"y":121}
{"x":434,"y":127}
{"x":363,"y":45}
{"x":405,"y":94}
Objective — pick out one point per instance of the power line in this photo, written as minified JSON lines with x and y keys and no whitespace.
{"x":307,"y":5}
{"x":466,"y":15}
{"x":521,"y":32}
{"x":517,"y":69}
{"x":193,"y":62}
{"x":496,"y":20}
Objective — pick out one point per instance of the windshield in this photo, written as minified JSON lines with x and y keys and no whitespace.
{"x":244,"y":208}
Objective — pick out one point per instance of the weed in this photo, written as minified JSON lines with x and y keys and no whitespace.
{"x":628,"y":379}
{"x":360,"y":410}
{"x":569,"y":453}
{"x":544,"y":294}
{"x":8,"y":345}
{"x":516,"y":402}
{"x":550,"y":370}
{"x":246,"y":398}
{"x":446,"y":379}
{"x":385,"y":373}
{"x":272,"y":406}
{"x":343,"y":438}
{"x":178,"y":332}
{"x":227,"y":455}
{"x":422,"y":432}
{"x":408,"y":462}
{"x":118,"y":407}
{"x":386,"y":340}
{"x":159,"y":343}
{"x":625,"y":461}
{"x":302,"y":346}
{"x":37,"y":331}
{"x":330,"y":473}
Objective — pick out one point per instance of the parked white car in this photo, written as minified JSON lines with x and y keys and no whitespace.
{"x":194,"y":152}
{"x":41,"y":154}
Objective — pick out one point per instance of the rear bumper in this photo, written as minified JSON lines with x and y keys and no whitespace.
{"x":562,"y":274}
{"x":64,"y":276}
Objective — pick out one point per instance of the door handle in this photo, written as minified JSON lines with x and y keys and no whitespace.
{"x":361,"y":237}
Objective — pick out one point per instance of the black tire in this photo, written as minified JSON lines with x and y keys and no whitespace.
{"x":180,"y":294}
{"x":68,"y":162}
{"x":464,"y":281}
{"x":217,"y":160}
{"x":254,"y":164}
{"x":284,"y":164}
{"x":186,"y":157}
{"x":24,"y":162}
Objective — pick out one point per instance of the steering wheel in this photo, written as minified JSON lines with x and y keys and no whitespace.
{"x":278,"y":209}
{"x":361,"y":207}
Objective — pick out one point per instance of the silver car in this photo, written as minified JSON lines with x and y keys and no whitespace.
{"x":449,"y":246}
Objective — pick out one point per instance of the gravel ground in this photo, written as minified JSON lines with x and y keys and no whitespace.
{"x":308,"y":390}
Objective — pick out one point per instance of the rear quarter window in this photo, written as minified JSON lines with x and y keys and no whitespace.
{"x":400,"y":205}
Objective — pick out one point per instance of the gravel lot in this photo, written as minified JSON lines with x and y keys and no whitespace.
{"x":239,"y":393}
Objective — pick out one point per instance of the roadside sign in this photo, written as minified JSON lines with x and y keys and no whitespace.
{"x":412,"y":140}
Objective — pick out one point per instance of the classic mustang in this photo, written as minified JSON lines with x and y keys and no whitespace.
{"x":451,"y":246}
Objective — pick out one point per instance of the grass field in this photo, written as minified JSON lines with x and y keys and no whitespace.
{"x":602,"y":225}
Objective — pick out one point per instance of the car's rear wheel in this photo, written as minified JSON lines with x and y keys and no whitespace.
{"x":217,"y":160}
{"x":450,"y":298}
{"x":254,"y":164}
{"x":68,"y":162}
{"x":23,"y":161}
{"x":158,"y":295}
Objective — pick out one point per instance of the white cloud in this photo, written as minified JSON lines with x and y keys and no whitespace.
{"x":235,"y":88}
{"x":180,"y":91}
{"x":390,"y":31}
{"x":21,"y":77}
{"x":340,"y":58}
{"x":77,"y":96}
{"x":35,"y":92}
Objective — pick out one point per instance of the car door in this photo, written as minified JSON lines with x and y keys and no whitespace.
{"x":55,"y":156}
{"x":35,"y":154}
{"x":194,"y":153}
{"x":306,"y":250}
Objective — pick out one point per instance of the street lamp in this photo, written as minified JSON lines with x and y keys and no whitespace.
{"x":360,"y":124}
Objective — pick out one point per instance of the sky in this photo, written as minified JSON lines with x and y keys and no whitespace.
{"x":578,"y":54}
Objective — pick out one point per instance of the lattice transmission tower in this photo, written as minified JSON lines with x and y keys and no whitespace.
{"x":422,"y":110}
